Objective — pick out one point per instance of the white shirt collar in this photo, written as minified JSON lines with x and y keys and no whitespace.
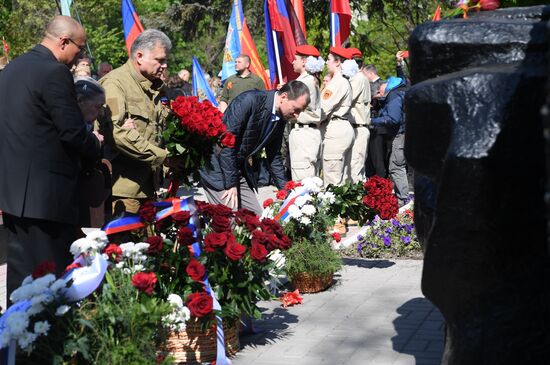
{"x":274,"y":116}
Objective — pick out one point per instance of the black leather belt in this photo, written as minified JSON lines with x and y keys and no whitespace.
{"x":358,"y":125}
{"x":310,"y":125}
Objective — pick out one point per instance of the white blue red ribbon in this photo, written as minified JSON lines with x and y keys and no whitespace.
{"x":86,"y":279}
{"x":283,"y":214}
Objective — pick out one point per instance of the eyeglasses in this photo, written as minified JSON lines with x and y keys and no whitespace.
{"x":80,"y":47}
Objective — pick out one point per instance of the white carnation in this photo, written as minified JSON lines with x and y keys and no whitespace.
{"x":5,"y":338}
{"x":308,"y":209}
{"x":27,"y":280}
{"x":294,"y":211}
{"x":61,"y":310}
{"x":314,"y":64}
{"x":26,"y":340}
{"x":81,"y":246}
{"x":349,"y":68}
{"x":328,"y":197}
{"x":305,"y":220}
{"x":57,"y":285}
{"x":35,"y":309}
{"x":41,"y":328}
{"x":313,"y":184}
{"x":302,"y":199}
{"x":100,"y":239}
{"x":17,"y":323}
{"x":141,"y":246}
{"x":175,"y":300}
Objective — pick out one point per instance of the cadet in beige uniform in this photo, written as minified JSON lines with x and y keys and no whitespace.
{"x":305,"y":136}
{"x":360,"y":119}
{"x":338,"y":133}
{"x":136,"y":116}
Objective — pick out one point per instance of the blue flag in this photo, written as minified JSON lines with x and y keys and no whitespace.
{"x":201,"y":89}
{"x":233,"y":41}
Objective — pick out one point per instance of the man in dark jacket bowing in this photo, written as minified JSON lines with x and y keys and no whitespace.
{"x":42,"y":139}
{"x":257,"y":119}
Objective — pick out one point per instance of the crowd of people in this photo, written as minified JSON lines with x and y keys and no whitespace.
{"x":85,"y":146}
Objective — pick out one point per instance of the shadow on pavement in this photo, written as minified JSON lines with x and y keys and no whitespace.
{"x":368,"y":264}
{"x":419,"y":328}
{"x":271,"y":327}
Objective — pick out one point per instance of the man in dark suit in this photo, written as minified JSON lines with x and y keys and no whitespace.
{"x":257,"y":119}
{"x":42,"y":139}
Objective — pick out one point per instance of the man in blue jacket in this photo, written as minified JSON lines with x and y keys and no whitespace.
{"x":390,"y":124}
{"x":257,"y":118}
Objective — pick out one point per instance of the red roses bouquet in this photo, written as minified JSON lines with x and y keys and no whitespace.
{"x":364,"y":200}
{"x":192,"y":131}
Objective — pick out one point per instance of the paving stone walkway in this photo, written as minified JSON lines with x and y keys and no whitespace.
{"x":374,"y":314}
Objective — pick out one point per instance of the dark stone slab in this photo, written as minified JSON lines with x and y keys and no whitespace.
{"x":475,"y":140}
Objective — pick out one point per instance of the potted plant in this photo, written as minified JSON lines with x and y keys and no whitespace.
{"x":304,"y":210}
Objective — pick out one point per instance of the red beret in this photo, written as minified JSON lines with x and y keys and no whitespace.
{"x":341,"y":51}
{"x":307,"y":50}
{"x":355,"y":52}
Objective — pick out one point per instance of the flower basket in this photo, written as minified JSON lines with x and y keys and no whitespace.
{"x":307,"y":283}
{"x":193,"y":345}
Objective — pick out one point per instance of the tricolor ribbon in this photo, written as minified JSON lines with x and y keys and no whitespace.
{"x":85,"y":279}
{"x":130,"y":222}
{"x":283,"y":215}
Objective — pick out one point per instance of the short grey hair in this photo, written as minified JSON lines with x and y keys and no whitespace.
{"x":149,"y":39}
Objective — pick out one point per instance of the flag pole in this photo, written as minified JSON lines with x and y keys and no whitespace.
{"x":332,"y":32}
{"x":80,"y":21}
{"x":276,"y":45}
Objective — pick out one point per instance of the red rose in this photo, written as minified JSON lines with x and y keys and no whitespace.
{"x":182,"y":217}
{"x":155,"y":244}
{"x":45,"y":267}
{"x":230,"y":238}
{"x":147,"y":212}
{"x":144,"y":281}
{"x":228,"y":140}
{"x":292,"y":185}
{"x":336,"y":236}
{"x":234,"y":251}
{"x":284,"y":243}
{"x":258,"y":252}
{"x":195,"y":270}
{"x":216,"y":209}
{"x":489,"y":4}
{"x":281,"y":194}
{"x":251,"y":222}
{"x":271,"y":226}
{"x":220,"y":223}
{"x":214,"y":240}
{"x":185,"y":236}
{"x":267,"y":203}
{"x":199,"y":304}
{"x":113,"y":251}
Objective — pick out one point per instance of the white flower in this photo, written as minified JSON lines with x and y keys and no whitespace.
{"x":21,"y":293}
{"x":305,"y":220}
{"x":5,"y":338}
{"x":35,"y":309}
{"x":57,"y":285}
{"x":141,"y":246}
{"x":312,"y":184}
{"x":175,"y":300}
{"x":302,"y":199}
{"x":349,"y":68}
{"x":99,"y":237}
{"x":309,"y":209}
{"x":81,"y":246}
{"x":41,"y":328}
{"x":42,"y":299}
{"x":26,"y":340}
{"x":294,"y":211}
{"x":17,"y":322}
{"x":328,"y":197}
{"x":314,"y":64}
{"x":27,"y":280}
{"x":61,"y":310}
{"x":138,"y":267}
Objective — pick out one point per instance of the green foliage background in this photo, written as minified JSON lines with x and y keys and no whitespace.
{"x":379,"y":27}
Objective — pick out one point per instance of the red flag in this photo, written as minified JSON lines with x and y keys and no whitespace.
{"x":249,"y":48}
{"x":437,"y":14}
{"x":340,"y":21}
{"x":298,"y":6}
{"x":6,"y":47}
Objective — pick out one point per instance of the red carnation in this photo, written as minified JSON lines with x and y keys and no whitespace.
{"x":336,"y":236}
{"x":234,"y":251}
{"x":185,"y":236}
{"x":267,"y":203}
{"x":228,"y":140}
{"x":45,"y":267}
{"x":147,"y":212}
{"x":113,"y":251}
{"x":144,"y":281}
{"x":182,"y":217}
{"x":281,"y":194}
{"x":258,"y":252}
{"x":214,"y":240}
{"x":292,"y":185}
{"x":155,"y":244}
{"x":199,"y":304}
{"x":195,"y":270}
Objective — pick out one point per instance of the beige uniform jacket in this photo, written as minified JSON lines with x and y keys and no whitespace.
{"x":134,"y":153}
{"x":312,"y":113}
{"x":360,"y":104}
{"x":336,"y":98}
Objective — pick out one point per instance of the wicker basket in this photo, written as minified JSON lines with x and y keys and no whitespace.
{"x":194,"y":346}
{"x":307,"y":283}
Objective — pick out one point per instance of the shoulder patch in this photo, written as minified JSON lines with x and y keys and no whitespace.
{"x":229,"y":85}
{"x":327,"y":94}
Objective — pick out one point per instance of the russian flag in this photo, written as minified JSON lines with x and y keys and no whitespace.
{"x":340,"y":19}
{"x":131,"y":23}
{"x":239,"y":41}
{"x":283,"y":33}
